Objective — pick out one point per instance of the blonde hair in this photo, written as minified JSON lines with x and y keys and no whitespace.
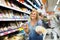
{"x":37,"y":14}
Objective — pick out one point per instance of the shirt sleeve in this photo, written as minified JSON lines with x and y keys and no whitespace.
{"x":40,"y":23}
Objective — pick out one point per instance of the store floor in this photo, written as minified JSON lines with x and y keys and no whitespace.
{"x":48,"y":37}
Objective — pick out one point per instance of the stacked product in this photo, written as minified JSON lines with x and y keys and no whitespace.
{"x":11,"y":15}
{"x":21,"y":1}
{"x":12,"y":37}
{"x":9,"y":26}
{"x":11,"y":5}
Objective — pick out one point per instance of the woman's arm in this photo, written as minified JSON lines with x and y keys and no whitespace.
{"x":26,"y":29}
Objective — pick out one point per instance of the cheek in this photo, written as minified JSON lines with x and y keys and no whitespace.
{"x":33,"y":16}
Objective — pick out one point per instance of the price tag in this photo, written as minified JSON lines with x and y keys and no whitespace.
{"x":5,"y":33}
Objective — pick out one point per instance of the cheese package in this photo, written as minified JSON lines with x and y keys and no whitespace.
{"x":40,"y":29}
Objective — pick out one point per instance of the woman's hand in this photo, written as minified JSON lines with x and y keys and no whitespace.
{"x":26,"y":29}
{"x":39,"y":32}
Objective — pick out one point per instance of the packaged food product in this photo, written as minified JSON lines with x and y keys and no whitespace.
{"x":21,"y":1}
{"x":6,"y":38}
{"x":40,"y":29}
{"x":7,"y":3}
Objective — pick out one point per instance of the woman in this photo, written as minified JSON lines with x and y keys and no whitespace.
{"x":30,"y":27}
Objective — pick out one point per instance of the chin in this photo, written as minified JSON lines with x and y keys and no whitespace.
{"x":32,"y":18}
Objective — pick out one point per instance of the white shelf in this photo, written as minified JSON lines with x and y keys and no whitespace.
{"x":13,"y":8}
{"x":8,"y":32}
{"x":24,"y":3}
{"x":27,"y":5}
{"x":38,"y":2}
{"x":13,"y":19}
{"x":31,"y":3}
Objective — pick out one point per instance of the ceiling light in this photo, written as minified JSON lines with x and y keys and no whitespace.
{"x":55,"y":7}
{"x":58,"y":2}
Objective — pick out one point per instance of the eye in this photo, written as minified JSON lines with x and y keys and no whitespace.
{"x":33,"y":14}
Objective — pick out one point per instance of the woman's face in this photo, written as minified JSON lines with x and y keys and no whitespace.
{"x":33,"y":15}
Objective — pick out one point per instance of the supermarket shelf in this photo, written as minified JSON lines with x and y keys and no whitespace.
{"x":19,"y":10}
{"x":28,"y":6}
{"x":38,"y":2}
{"x":13,"y":19}
{"x":8,"y":32}
{"x":31,"y":3}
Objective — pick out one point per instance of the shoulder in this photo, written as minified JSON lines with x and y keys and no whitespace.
{"x":39,"y":22}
